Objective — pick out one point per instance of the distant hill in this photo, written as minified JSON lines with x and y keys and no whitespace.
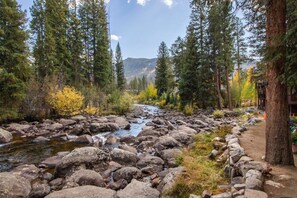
{"x":137,"y":67}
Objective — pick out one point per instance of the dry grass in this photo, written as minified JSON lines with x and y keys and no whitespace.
{"x":201,"y":172}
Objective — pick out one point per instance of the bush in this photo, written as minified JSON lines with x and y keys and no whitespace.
{"x":90,"y":110}
{"x":67,"y":101}
{"x":149,"y":94}
{"x":294,"y":137}
{"x":120,"y":102}
{"x":188,"y":110}
{"x":218,"y":114}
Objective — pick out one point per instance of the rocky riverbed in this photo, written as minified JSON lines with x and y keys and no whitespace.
{"x":111,"y":156}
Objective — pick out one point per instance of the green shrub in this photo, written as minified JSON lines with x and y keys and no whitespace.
{"x":218,"y":114}
{"x":294,"y":137}
{"x":120,"y":102}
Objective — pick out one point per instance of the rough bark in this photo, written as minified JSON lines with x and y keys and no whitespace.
{"x":278,"y":140}
{"x":228,"y":90}
{"x":218,"y":89}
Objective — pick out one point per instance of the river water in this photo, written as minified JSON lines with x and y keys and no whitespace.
{"x":25,"y":151}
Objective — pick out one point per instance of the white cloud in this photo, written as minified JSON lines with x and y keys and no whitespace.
{"x":142,"y":2}
{"x":168,"y":2}
{"x":115,"y":37}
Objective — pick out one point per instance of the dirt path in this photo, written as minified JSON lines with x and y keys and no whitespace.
{"x":253,"y":141}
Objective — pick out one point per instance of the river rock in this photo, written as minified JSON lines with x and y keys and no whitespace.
{"x":166,"y":142}
{"x":67,"y":122}
{"x":182,"y":137}
{"x":84,"y":139}
{"x":87,"y":156}
{"x":56,"y":184}
{"x":19,"y":128}
{"x":150,"y":132}
{"x":52,"y":162}
{"x":84,"y":192}
{"x":54,"y":127}
{"x":254,"y":180}
{"x":127,"y":173}
{"x":128,"y":148}
{"x":5,"y":136}
{"x":169,"y":180}
{"x":150,"y":164}
{"x":121,"y":122}
{"x":169,"y":156}
{"x":111,"y":139}
{"x":39,"y":190}
{"x":78,"y":118}
{"x":87,"y":177}
{"x":138,"y":189}
{"x":128,"y":139}
{"x":123,"y":157}
{"x":14,"y":186}
{"x":249,"y":193}
{"x":187,"y":130}
{"x":103,"y":127}
{"x":29,"y":172}
{"x":120,"y":184}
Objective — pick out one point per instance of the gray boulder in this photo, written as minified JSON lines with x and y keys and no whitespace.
{"x":14,"y":186}
{"x":150,"y":164}
{"x":19,"y":128}
{"x":127,"y":173}
{"x":87,"y":156}
{"x":138,"y":189}
{"x":103,"y":127}
{"x":84,"y":139}
{"x":166,"y":142}
{"x":123,"y":157}
{"x":67,"y":122}
{"x":254,"y":193}
{"x":169,"y":180}
{"x":39,"y":190}
{"x":169,"y":156}
{"x":29,"y":172}
{"x":84,"y":192}
{"x":54,"y":127}
{"x":150,"y":132}
{"x":5,"y":136}
{"x":254,"y":180}
{"x":87,"y":177}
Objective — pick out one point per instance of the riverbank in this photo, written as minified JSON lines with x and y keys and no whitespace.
{"x":125,"y":162}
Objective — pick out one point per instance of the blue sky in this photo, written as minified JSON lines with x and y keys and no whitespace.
{"x":141,"y":25}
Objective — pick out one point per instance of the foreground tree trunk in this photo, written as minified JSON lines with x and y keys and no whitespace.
{"x":228,"y":89}
{"x":278,"y":140}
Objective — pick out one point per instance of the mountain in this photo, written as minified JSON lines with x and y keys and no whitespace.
{"x":137,"y":67}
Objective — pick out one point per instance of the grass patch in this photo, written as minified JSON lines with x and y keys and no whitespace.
{"x":201,"y":173}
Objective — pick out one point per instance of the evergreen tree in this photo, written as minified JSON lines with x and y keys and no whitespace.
{"x":178,"y":52}
{"x":189,"y":81}
{"x":164,"y":76}
{"x":37,"y":27}
{"x":14,"y":65}
{"x":76,"y":71}
{"x":119,"y":65}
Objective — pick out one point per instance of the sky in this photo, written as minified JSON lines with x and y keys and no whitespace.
{"x":141,"y":25}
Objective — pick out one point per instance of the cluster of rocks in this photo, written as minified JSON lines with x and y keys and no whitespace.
{"x":144,"y":166}
{"x":247,"y":175}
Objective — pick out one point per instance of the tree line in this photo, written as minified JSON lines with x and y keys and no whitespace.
{"x":66,"y":43}
{"x":215,"y":45}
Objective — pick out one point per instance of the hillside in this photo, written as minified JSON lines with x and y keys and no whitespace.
{"x":137,"y":67}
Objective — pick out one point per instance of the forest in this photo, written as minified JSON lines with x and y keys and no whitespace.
{"x":62,"y":64}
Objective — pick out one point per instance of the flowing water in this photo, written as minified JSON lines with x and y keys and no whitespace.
{"x":25,"y":151}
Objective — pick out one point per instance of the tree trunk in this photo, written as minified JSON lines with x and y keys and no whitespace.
{"x":228,"y":90}
{"x":218,"y":85}
{"x":278,"y":140}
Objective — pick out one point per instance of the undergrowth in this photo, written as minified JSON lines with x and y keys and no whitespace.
{"x":201,"y":173}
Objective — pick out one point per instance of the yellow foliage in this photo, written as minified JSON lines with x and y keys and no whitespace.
{"x":218,"y":114}
{"x":92,"y":110}
{"x":67,"y":101}
{"x":149,"y":94}
{"x":188,"y":110}
{"x":163,"y":103}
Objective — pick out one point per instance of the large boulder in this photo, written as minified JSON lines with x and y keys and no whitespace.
{"x":39,"y":190}
{"x":169,"y":180}
{"x":254,"y":193}
{"x":254,"y":180}
{"x":138,"y":189}
{"x":170,"y":155}
{"x":19,"y":128}
{"x":5,"y":136}
{"x":14,"y":186}
{"x":150,"y":164}
{"x":127,"y":173}
{"x":150,"y":132}
{"x":182,"y":137}
{"x":84,"y":192}
{"x":29,"y":172}
{"x":87,"y":156}
{"x":121,"y":122}
{"x":87,"y":177}
{"x":53,"y":161}
{"x":166,"y":142}
{"x":123,"y":157}
{"x":103,"y":127}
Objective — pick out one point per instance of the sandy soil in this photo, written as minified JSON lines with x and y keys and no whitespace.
{"x":253,"y":141}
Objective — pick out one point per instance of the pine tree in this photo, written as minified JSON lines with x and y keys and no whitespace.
{"x":37,"y":27}
{"x":164,"y":76}
{"x":14,"y":65}
{"x":119,"y":65}
{"x":178,"y":52}
{"x":76,"y":70}
{"x":189,"y":82}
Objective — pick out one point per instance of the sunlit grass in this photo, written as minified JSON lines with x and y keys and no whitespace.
{"x":201,"y":173}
